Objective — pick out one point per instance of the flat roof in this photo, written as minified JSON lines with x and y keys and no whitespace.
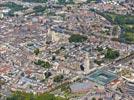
{"x":102,"y":77}
{"x":81,"y":86}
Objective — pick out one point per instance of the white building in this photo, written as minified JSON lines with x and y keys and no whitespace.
{"x":87,"y":64}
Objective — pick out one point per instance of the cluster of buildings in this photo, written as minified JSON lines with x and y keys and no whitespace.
{"x":21,"y":35}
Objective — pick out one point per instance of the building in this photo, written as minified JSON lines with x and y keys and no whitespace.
{"x":79,"y":1}
{"x":102,"y":77}
{"x":52,"y":36}
{"x":1,"y":15}
{"x":86,"y":63}
{"x":109,"y":1}
{"x":88,"y":67}
{"x":82,"y":87}
{"x":56,"y":36}
{"x":129,"y":1}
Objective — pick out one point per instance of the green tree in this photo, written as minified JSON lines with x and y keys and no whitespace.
{"x":61,"y":1}
{"x":111,"y":54}
{"x":58,"y":78}
{"x":77,"y":38}
{"x":129,"y":37}
{"x":36,"y":1}
{"x":70,"y":1}
{"x":30,"y":96}
{"x":93,"y":98}
{"x":115,"y":30}
{"x":99,"y":49}
{"x":88,"y":1}
{"x":65,"y":2}
{"x":98,"y":62}
{"x":39,"y":8}
{"x":48,"y":74}
{"x":36,"y":51}
{"x":119,"y":20}
{"x":44,"y":64}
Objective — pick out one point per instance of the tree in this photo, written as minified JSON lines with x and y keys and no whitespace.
{"x":31,"y":96}
{"x":88,"y":1}
{"x":44,"y":64}
{"x":77,"y":38}
{"x":48,"y":74}
{"x":65,"y":2}
{"x":70,"y":1}
{"x":98,"y":62}
{"x":39,"y":8}
{"x":111,"y":54}
{"x":61,"y":1}
{"x":99,"y":49}
{"x":115,"y":30}
{"x":58,"y":78}
{"x":129,"y":37}
{"x":93,"y":98}
{"x":119,"y":20}
{"x":36,"y":1}
{"x":36,"y":51}
{"x":13,"y":6}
